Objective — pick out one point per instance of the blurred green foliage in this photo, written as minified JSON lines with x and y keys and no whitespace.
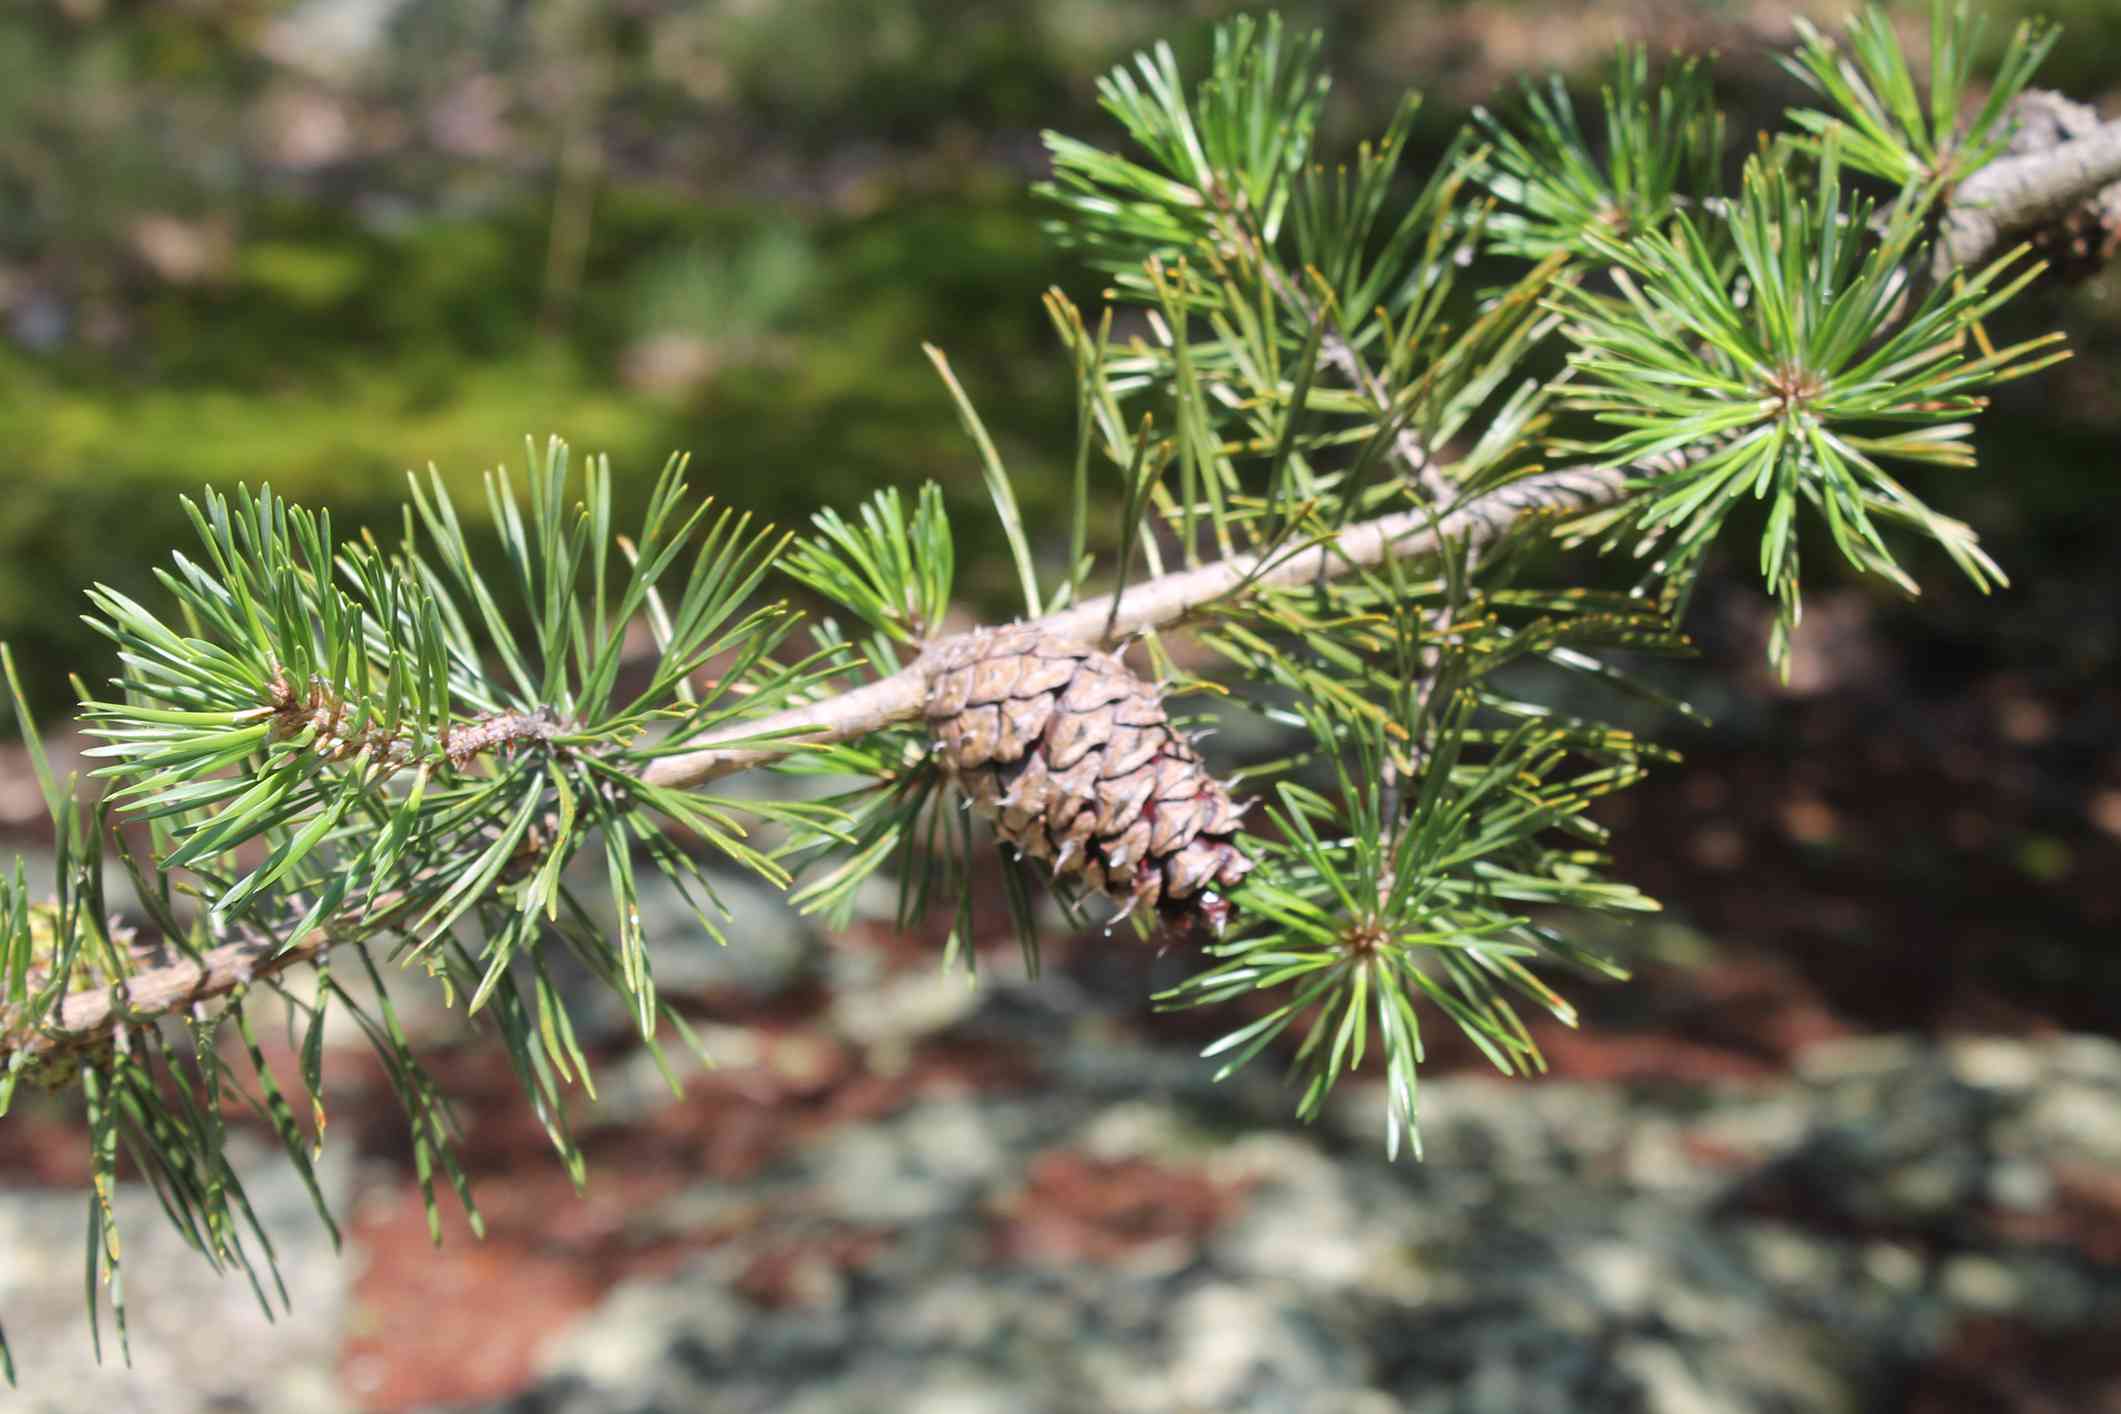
{"x":319,"y":243}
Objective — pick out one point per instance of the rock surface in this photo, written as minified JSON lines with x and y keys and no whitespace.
{"x":901,"y":1192}
{"x":1130,"y":1240}
{"x":199,"y":1340}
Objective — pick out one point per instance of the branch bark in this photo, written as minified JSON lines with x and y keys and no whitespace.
{"x":2013,"y":195}
{"x":164,"y":987}
{"x":1163,"y":603}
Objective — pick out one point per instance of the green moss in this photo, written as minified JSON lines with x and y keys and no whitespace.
{"x":336,"y":357}
{"x":300,"y":275}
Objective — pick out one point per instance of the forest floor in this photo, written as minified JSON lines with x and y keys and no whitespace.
{"x":1846,"y":1141}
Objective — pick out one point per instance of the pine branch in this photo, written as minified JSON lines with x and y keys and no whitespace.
{"x":165,"y":987}
{"x":1166,"y":602}
{"x":1987,"y":206}
{"x":1158,"y":603}
{"x":2014,"y":195}
{"x":162,"y":987}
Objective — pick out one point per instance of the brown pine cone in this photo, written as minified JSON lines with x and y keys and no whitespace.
{"x":1072,"y":757}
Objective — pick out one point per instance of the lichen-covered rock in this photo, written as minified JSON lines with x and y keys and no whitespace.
{"x":1073,"y":758}
{"x":1102,"y":1243}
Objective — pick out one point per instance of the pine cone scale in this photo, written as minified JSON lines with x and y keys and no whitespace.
{"x":1131,"y":750}
{"x":1047,"y":674}
{"x":1123,"y":799}
{"x":1023,"y":722}
{"x":1070,"y":738}
{"x":1174,"y":822}
{"x":1090,"y":691}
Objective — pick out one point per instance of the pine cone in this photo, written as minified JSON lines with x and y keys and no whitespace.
{"x":1072,"y":757}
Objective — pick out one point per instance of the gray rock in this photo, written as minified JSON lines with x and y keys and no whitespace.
{"x":198,"y":1339}
{"x":766,"y":948}
{"x":769,"y":947}
{"x":1570,"y":1249}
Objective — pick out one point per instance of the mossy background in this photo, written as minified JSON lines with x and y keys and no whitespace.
{"x":316,"y":244}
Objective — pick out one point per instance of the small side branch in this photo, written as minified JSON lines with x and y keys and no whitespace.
{"x":1161,"y":603}
{"x":2013,"y":195}
{"x":167,"y":984}
{"x":1334,"y":349}
{"x":330,"y":721}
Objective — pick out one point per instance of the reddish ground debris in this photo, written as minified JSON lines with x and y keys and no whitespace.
{"x":44,"y":1143}
{"x":806,"y":1269}
{"x":2084,"y":1217}
{"x":468,"y":1322}
{"x":1734,"y":1018}
{"x":1999,"y":1366}
{"x":1074,"y":1207}
{"x":732,"y":1123}
{"x":1930,"y":865}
